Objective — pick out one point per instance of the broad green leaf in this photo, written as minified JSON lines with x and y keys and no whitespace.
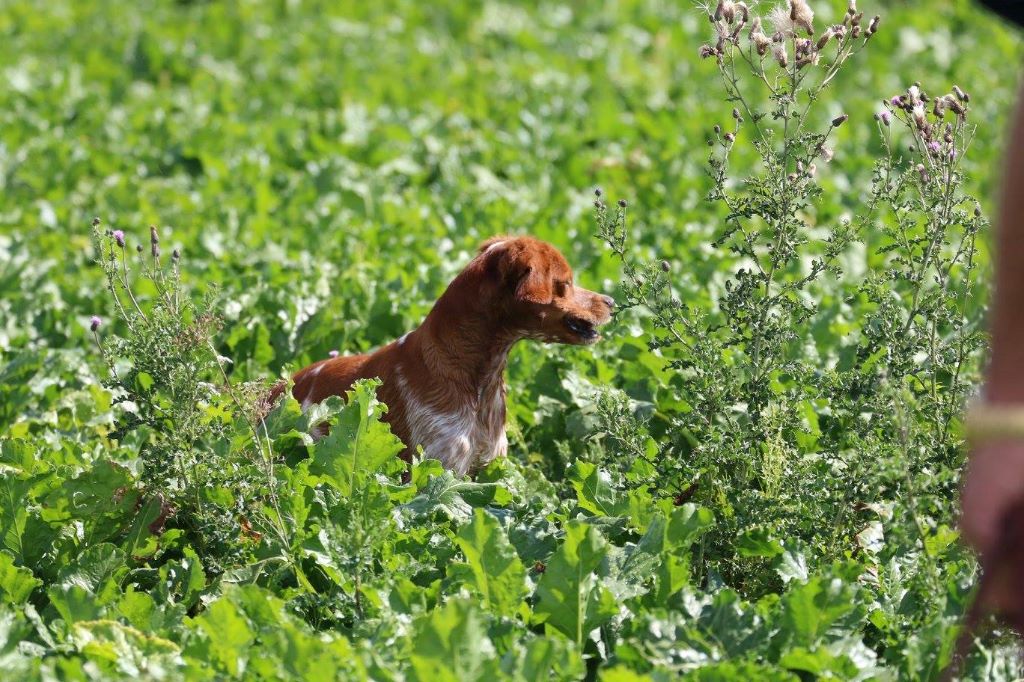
{"x":594,"y":490}
{"x":454,"y":498}
{"x":16,"y":582}
{"x":494,"y":568}
{"x":450,"y":644}
{"x":359,"y":443}
{"x":570,"y":596}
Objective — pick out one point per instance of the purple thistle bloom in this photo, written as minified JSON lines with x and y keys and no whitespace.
{"x":94,"y":323}
{"x":895,"y":101}
{"x":119,"y":237}
{"x":933,"y":147}
{"x":333,"y":353}
{"x":886,"y":117}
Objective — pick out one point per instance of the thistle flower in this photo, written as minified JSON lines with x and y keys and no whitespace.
{"x":826,"y":153}
{"x":94,"y":323}
{"x":934,"y":147}
{"x":896,"y":101}
{"x":707,"y":51}
{"x":960,"y":94}
{"x":118,"y":236}
{"x":802,"y":15}
{"x":757,"y":36}
{"x":825,"y":37}
{"x":779,"y":53}
{"x":886,"y":117}
{"x":333,"y":354}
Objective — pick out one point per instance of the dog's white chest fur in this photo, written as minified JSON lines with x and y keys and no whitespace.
{"x":463,"y":436}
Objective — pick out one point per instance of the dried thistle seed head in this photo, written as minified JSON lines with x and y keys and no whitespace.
{"x":855,"y":33}
{"x":154,"y":238}
{"x":706,"y":51}
{"x":779,"y":53}
{"x":873,"y":26}
{"x":826,"y":153}
{"x":839,"y":120}
{"x":852,"y":8}
{"x":825,"y":37}
{"x":95,"y":322}
{"x":118,"y":236}
{"x":960,"y":94}
{"x":742,"y":11}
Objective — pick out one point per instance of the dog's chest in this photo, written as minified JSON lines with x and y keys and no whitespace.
{"x":464,"y":435}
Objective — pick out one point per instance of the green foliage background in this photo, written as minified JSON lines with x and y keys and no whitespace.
{"x":329,"y":167}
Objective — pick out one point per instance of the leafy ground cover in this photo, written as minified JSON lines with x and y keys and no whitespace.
{"x":323,"y":172}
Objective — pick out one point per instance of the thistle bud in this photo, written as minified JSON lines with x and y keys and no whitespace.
{"x":729,"y":137}
{"x":735,"y":113}
{"x":855,"y":33}
{"x":823,"y":40}
{"x":94,"y":323}
{"x":665,"y":266}
{"x":960,"y":94}
{"x":886,"y":118}
{"x":597,"y":191}
{"x":96,"y":222}
{"x":622,"y":203}
{"x":138,"y":248}
{"x":839,"y":120}
{"x":118,"y":236}
{"x":873,"y":26}
{"x":718,"y":129}
{"x":977,"y":210}
{"x":176,"y":255}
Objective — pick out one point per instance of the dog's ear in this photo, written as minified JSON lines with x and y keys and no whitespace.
{"x":534,"y":286}
{"x":518,"y":269}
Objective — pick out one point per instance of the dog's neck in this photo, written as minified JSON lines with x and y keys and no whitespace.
{"x":469,"y":351}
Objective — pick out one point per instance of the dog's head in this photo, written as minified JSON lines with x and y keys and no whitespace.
{"x":531,"y":284}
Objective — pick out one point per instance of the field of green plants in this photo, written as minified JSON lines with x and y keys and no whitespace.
{"x":752,"y":476}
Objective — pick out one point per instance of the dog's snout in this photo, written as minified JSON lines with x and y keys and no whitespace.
{"x":609,"y":301}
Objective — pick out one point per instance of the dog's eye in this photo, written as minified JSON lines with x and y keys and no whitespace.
{"x":561,"y":288}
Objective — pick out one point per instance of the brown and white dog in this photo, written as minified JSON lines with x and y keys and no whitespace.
{"x":444,"y":382}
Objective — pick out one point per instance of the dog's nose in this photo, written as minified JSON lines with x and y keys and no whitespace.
{"x":609,"y":301}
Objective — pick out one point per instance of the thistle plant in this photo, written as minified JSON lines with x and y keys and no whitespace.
{"x":206,"y":467}
{"x":771,"y":407}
